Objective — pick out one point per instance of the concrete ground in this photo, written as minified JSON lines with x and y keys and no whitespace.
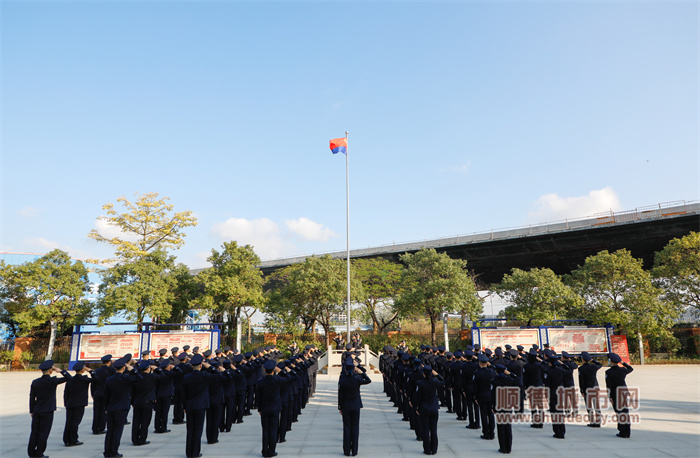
{"x":669,"y":408}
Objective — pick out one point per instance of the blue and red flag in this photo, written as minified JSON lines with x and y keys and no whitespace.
{"x":339,"y":145}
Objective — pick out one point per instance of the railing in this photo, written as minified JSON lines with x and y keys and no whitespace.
{"x":661,"y":210}
{"x":330,"y":362}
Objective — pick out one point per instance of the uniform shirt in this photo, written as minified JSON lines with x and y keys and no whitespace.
{"x":42,"y":394}
{"x":349,"y":398}
{"x":426,"y":397}
{"x":195,"y":386}
{"x":267,"y":393}
{"x":615,"y":378}
{"x":76,"y":392}
{"x":482,"y":384}
{"x":587,"y":375}
{"x":118,"y":390}
{"x":99,"y":377}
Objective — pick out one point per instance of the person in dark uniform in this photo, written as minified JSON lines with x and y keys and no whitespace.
{"x":286,"y":390}
{"x":75,"y":398}
{"x":427,"y":403}
{"x":117,"y":400}
{"x":144,"y":399}
{"x":504,"y":380}
{"x":617,"y":389}
{"x":350,"y":403}
{"x":42,"y":405}
{"x":228,"y":411}
{"x":472,"y":409}
{"x":269,"y":406}
{"x":165,"y":390}
{"x":216,"y":400}
{"x":533,"y":373}
{"x":482,"y":396}
{"x":588,"y":384}
{"x":239,"y":381}
{"x":179,"y":399}
{"x":99,"y":409}
{"x":196,"y":393}
{"x":554,"y":380}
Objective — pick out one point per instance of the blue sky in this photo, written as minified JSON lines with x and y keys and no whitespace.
{"x":463,"y":117}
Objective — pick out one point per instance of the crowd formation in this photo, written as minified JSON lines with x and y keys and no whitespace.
{"x":488,"y":388}
{"x":209,"y":392}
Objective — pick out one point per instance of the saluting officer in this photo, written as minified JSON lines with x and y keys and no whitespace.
{"x":99,"y":408}
{"x":269,"y":404}
{"x":42,"y":405}
{"x":75,"y":398}
{"x":588,"y":384}
{"x":117,"y":398}
{"x":350,"y":403}
{"x":427,"y":403}
{"x":617,"y":388}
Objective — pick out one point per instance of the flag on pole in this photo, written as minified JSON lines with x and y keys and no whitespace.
{"x":339,"y":145}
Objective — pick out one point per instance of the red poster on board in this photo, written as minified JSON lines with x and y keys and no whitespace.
{"x":619,"y":346}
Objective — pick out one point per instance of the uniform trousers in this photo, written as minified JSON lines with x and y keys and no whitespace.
{"x":472,"y":409}
{"x":178,"y":407}
{"x":505,"y":437}
{"x":488,"y":426}
{"x":459,"y":402}
{"x":41,"y":428}
{"x":213,"y":420}
{"x":250,"y":393}
{"x":624,"y":427}
{"x":351,"y":431}
{"x":162,"y":410}
{"x":285,"y":421}
{"x":270,"y":423}
{"x":228,"y":414}
{"x":428,"y":427}
{"x":592,"y":407}
{"x":74,"y":415}
{"x":141,"y":422}
{"x":240,"y":406}
{"x":115,"y":428}
{"x":195,"y":426}
{"x":99,"y":414}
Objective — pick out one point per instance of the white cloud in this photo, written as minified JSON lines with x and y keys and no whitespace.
{"x":30,"y":212}
{"x":270,"y":239}
{"x":110,"y":231}
{"x":43,"y":245}
{"x":262,"y":233}
{"x":310,"y":230}
{"x":552,"y":207}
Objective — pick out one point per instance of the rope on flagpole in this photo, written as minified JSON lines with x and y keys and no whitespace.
{"x":347,"y":218}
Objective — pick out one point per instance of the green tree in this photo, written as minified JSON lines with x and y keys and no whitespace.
{"x":381,"y":280}
{"x":139,"y":288}
{"x":617,"y":290}
{"x":434,"y":284}
{"x":145,"y":225}
{"x":537,"y":294}
{"x":185,"y":291}
{"x":233,"y":285}
{"x":50,"y":289}
{"x":677,"y":271}
{"x":283,"y":315}
{"x":318,"y":288}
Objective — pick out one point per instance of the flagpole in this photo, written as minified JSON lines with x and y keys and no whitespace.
{"x":347,"y":219}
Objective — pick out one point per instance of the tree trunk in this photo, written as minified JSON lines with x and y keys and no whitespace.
{"x":52,"y":339}
{"x":641,"y":348}
{"x":249,"y":328}
{"x":432,"y":330}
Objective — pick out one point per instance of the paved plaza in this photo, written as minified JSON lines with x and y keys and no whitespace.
{"x":669,"y":408}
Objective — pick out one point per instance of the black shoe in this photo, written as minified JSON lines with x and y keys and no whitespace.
{"x":473,"y":427}
{"x":239,"y":422}
{"x":558,"y":437}
{"x":162,"y":432}
{"x":282,"y":440}
{"x":427,"y":453}
{"x":74,"y":444}
{"x":502,"y":451}
{"x":127,"y":422}
{"x":213,"y":442}
{"x":620,"y":435}
{"x":143,"y":443}
{"x":488,"y":438}
{"x":99,"y":432}
{"x":450,"y":411}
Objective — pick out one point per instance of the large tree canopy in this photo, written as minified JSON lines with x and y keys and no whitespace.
{"x":143,"y":226}
{"x":139,"y":288}
{"x":617,"y":290}
{"x":381,"y":282}
{"x":538,"y":295}
{"x":233,"y":285}
{"x":435,"y":284}
{"x":49,"y":289}
{"x":677,"y":270}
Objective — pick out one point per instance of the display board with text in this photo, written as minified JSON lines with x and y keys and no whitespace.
{"x":578,"y":339}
